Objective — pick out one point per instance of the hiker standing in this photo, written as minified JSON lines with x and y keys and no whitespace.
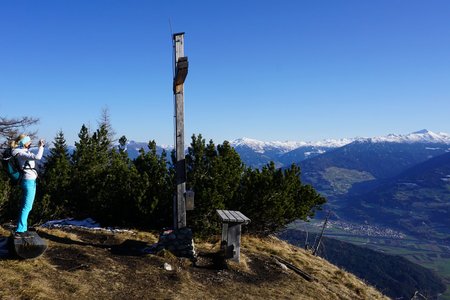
{"x":26,"y":162}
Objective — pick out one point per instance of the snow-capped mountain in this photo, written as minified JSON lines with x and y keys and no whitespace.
{"x":421,"y":136}
{"x":133,"y":148}
{"x":258,"y":153}
{"x":284,"y":147}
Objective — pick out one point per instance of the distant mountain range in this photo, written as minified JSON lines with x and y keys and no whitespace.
{"x":257,"y":153}
{"x":133,"y":149}
{"x":400,"y":181}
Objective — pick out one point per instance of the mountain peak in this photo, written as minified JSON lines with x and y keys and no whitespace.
{"x":423,"y":131}
{"x":421,"y":136}
{"x":261,"y":147}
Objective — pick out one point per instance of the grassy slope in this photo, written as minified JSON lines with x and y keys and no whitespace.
{"x":80,"y":265}
{"x":424,"y":253}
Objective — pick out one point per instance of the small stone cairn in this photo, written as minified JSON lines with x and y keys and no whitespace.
{"x":179,"y":242}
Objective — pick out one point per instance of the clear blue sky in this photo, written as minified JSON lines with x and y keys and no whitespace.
{"x":269,"y":70}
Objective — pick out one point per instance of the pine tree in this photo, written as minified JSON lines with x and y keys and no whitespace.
{"x":200,"y":180}
{"x":158,"y":176}
{"x":80,"y":155}
{"x":55,"y":182}
{"x":273,"y":198}
{"x":105,"y":121}
{"x":90,"y":165}
{"x":229,"y":169}
{"x":81,"y":186}
{"x":214,"y":174}
{"x":98,"y":172}
{"x":122,"y":191}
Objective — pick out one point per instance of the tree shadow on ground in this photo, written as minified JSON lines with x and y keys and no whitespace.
{"x":68,"y":241}
{"x":128,"y":247}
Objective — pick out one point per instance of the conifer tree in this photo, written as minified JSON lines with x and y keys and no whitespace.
{"x":273,"y":198}
{"x":106,"y":183}
{"x":90,"y":163}
{"x":214,"y":174}
{"x":80,"y":185}
{"x":229,"y":170}
{"x":200,"y":179}
{"x":122,"y":190}
{"x":80,"y":155}
{"x":158,"y":178}
{"x":105,"y":121}
{"x":55,"y":182}
{"x":98,"y":172}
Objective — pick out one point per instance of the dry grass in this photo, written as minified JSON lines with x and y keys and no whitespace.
{"x":330,"y":281}
{"x":81,"y":265}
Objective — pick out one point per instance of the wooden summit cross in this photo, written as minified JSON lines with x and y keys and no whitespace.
{"x":180,"y":73}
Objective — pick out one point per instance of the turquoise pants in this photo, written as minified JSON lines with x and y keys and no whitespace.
{"x":29,"y":191}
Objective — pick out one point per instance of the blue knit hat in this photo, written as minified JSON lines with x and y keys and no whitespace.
{"x":25,"y":140}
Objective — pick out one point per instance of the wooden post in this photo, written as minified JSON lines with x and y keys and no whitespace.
{"x":180,"y":73}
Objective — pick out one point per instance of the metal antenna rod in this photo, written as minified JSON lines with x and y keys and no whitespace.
{"x":321,"y":234}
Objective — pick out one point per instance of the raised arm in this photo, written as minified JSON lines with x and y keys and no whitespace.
{"x":32,"y":156}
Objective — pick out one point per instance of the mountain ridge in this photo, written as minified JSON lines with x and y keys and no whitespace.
{"x":257,"y":154}
{"x":423,"y":136}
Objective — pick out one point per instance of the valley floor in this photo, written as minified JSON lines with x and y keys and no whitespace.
{"x":425,"y":253}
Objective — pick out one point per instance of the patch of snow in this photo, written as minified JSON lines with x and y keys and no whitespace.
{"x":83,"y":224}
{"x":446,"y":178}
{"x":319,"y":151}
{"x":408,"y":184}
